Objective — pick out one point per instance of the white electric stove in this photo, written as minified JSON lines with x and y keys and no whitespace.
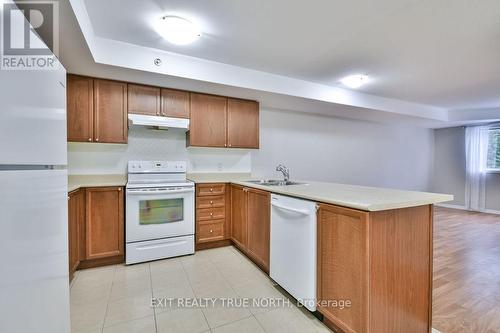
{"x":160,"y":211}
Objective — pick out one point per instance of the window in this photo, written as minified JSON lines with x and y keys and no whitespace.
{"x":493,"y":160}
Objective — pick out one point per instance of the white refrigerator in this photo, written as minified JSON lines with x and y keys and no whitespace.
{"x":34,"y":287}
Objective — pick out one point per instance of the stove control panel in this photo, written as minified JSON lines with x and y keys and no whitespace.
{"x":157,"y":166}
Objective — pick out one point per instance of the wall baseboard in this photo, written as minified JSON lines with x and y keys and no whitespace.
{"x":491,"y":211}
{"x":460,"y":207}
{"x":487,"y":211}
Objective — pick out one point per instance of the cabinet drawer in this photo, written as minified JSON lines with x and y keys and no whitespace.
{"x":210,"y":201}
{"x":209,"y":232}
{"x":210,"y":189}
{"x":210,"y":213}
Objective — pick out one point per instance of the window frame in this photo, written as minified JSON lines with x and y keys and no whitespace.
{"x":486,"y":169}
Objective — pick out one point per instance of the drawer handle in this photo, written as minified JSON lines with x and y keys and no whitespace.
{"x":211,"y":231}
{"x":211,"y":214}
{"x":211,"y":202}
{"x":211,"y":190}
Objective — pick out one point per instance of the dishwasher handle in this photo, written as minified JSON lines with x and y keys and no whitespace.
{"x":298,"y":211}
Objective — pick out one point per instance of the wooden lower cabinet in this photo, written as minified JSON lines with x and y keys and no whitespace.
{"x":95,"y":227}
{"x":239,"y":207}
{"x":76,"y":223}
{"x":105,"y":222}
{"x":259,"y":226}
{"x":250,"y":219}
{"x":213,"y":202}
{"x":381,"y":262}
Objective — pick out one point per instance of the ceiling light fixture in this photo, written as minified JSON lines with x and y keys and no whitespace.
{"x":178,"y":30}
{"x":354,"y":81}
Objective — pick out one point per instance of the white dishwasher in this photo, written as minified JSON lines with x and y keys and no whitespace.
{"x":293,"y":247}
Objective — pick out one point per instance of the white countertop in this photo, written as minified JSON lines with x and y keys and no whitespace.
{"x":353,"y":196}
{"x":77,"y":181}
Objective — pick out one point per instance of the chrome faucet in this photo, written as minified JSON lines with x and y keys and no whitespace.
{"x":285,"y":171}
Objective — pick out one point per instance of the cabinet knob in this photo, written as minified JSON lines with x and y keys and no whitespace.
{"x":97,"y":139}
{"x":225,"y":145}
{"x":90,"y":139}
{"x":211,"y":202}
{"x":211,"y":231}
{"x":229,"y":145}
{"x":119,"y":189}
{"x":211,"y":190}
{"x":211,"y":214}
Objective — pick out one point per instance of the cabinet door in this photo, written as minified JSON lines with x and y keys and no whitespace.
{"x":80,"y":199}
{"x":242,"y":123}
{"x":174,"y":103}
{"x":73,"y":244}
{"x":208,"y":121}
{"x":110,"y":111}
{"x":80,"y":108}
{"x":105,"y":223}
{"x":343,"y":266}
{"x":143,"y":100}
{"x":258,"y":218}
{"x":239,"y":216}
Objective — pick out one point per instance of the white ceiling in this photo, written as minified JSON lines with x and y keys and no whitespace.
{"x":444,"y":53}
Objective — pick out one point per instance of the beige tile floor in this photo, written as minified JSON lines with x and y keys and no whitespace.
{"x":118,"y":298}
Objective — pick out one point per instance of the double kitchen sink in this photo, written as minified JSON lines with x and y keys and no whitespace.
{"x":274,"y":182}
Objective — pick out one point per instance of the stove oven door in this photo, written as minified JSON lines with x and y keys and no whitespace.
{"x":159,"y":213}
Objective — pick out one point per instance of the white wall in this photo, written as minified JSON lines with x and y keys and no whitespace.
{"x":449,"y":171}
{"x":323,"y":148}
{"x":147,"y":144}
{"x":314,"y":147}
{"x":449,"y":163}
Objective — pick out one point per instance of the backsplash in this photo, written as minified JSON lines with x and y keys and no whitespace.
{"x":147,"y":144}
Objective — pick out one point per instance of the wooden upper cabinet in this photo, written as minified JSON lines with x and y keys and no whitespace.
{"x":98,"y":112}
{"x":208,"y":121}
{"x":174,"y":103}
{"x":239,"y":216}
{"x":80,"y":108}
{"x":258,"y":220}
{"x":242,"y":123}
{"x":110,"y":106}
{"x":104,"y":222}
{"x":143,"y":100}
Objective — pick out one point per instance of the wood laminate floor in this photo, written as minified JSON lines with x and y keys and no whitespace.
{"x":466,"y":291}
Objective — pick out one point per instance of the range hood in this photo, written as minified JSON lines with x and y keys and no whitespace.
{"x":159,"y":122}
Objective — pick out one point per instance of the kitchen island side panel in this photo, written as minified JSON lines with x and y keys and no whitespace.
{"x":401,"y":270}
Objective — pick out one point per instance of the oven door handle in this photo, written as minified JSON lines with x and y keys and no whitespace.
{"x":142,"y":192}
